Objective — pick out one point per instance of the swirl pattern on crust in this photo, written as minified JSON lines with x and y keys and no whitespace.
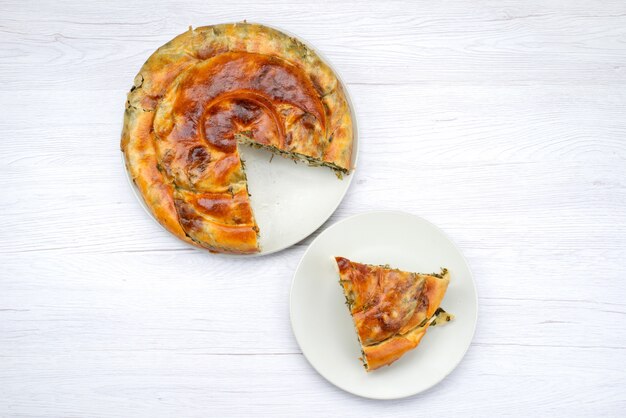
{"x":204,"y":92}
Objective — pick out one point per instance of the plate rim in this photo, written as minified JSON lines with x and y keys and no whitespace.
{"x":471,"y":276}
{"x":350,"y":177}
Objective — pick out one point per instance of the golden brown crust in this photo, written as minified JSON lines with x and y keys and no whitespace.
{"x":390,"y":350}
{"x":391,"y":308}
{"x":198,"y":93}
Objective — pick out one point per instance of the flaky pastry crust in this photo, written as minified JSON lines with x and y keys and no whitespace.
{"x":391,"y":309}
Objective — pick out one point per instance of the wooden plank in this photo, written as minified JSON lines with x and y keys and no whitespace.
{"x":484,"y":43}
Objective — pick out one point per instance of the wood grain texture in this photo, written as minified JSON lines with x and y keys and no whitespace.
{"x":500,"y":121}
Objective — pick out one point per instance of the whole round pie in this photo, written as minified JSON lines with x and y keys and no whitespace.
{"x":209,"y":90}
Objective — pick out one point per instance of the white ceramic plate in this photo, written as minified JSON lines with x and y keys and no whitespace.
{"x":290,"y":201}
{"x":323,"y":326}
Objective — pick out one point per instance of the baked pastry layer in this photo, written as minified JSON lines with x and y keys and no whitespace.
{"x":204,"y":92}
{"x":391,"y":309}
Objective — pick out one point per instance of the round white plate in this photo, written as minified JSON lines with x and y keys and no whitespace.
{"x":290,"y":201}
{"x":322,"y":323}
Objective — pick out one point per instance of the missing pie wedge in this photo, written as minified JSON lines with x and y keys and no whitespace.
{"x":391,"y":309}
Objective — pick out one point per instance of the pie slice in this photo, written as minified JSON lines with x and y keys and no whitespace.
{"x":391,"y":309}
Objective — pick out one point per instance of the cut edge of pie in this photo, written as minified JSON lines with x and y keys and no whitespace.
{"x":391,"y":309}
{"x":295,"y":156}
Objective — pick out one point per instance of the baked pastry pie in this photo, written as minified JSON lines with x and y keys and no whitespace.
{"x":206,"y":91}
{"x":391,"y":309}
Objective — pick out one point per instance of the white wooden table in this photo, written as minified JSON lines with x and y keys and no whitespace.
{"x":503,"y":122}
